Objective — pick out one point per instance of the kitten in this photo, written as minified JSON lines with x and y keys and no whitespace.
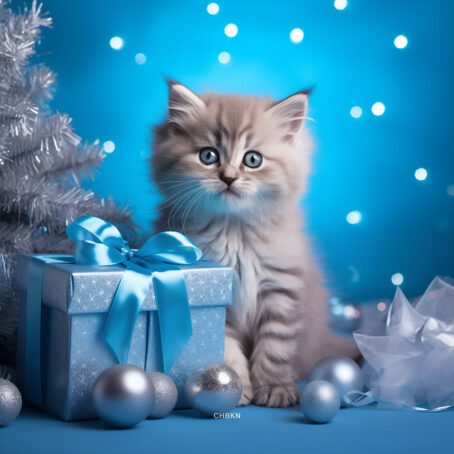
{"x":232,"y":170}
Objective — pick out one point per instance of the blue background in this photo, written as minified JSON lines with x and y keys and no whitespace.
{"x":364,"y":164}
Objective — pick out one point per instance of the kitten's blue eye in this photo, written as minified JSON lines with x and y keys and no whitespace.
{"x":209,"y":156}
{"x":252,"y":159}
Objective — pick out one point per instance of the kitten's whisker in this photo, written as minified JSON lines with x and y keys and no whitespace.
{"x":310,"y":119}
{"x":186,"y":209}
{"x":202,"y":199}
{"x":192,"y":203}
{"x":172,"y":198}
{"x":178,"y":181}
{"x":177,"y":203}
{"x":182,"y":202}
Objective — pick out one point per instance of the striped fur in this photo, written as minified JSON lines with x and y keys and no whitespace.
{"x":276,"y":329}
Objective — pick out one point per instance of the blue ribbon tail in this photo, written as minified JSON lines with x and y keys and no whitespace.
{"x":124,"y":311}
{"x":173,"y":312}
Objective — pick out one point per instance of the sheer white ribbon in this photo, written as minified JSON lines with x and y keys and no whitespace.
{"x":410,"y":362}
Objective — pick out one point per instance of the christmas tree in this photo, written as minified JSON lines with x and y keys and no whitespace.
{"x":41,"y":163}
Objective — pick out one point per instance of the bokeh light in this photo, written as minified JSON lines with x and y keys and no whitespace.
{"x":296,"y":35}
{"x":212,"y":8}
{"x":450,"y":190}
{"x":421,"y":174}
{"x":397,"y":279}
{"x":116,"y":43}
{"x":356,"y":112}
{"x":108,"y":146}
{"x":381,"y":306}
{"x":378,"y":108}
{"x":351,"y":311}
{"x":224,"y":58}
{"x":340,"y":4}
{"x":400,"y":42}
{"x":140,"y":58}
{"x":354,"y":217}
{"x":231,"y":30}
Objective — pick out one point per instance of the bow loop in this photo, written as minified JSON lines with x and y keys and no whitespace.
{"x":169,"y":247}
{"x":98,"y":242}
{"x":91,"y":228}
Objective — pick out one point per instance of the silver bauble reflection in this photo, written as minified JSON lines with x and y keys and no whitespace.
{"x":123,"y":396}
{"x":319,"y":401}
{"x":10,"y":402}
{"x":341,"y":371}
{"x":165,"y":395}
{"x":211,"y":389}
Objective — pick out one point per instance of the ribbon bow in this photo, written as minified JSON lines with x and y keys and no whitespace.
{"x":99,"y":243}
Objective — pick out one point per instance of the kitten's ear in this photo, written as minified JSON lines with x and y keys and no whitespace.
{"x":183,"y":103}
{"x":290,"y":114}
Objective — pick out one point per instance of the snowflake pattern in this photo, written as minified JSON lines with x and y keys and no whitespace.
{"x":93,"y":290}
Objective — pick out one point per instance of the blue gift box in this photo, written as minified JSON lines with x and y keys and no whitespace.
{"x":71,"y":317}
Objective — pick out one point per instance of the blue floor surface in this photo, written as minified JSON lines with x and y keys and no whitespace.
{"x":259,"y":430}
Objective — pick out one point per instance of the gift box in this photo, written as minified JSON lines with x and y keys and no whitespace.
{"x":61,"y":348}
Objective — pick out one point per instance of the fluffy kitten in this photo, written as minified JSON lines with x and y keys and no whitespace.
{"x":232,"y":170}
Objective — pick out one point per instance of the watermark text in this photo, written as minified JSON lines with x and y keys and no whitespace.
{"x":227,"y":415}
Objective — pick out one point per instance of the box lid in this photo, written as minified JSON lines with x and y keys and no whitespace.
{"x":77,"y":289}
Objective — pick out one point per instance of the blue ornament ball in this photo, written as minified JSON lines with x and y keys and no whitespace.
{"x":166,"y":395}
{"x":340,"y":371}
{"x":10,"y":402}
{"x":123,"y":396}
{"x":319,"y":401}
{"x":211,"y":389}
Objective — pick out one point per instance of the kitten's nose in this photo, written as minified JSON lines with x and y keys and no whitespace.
{"x":226,"y":179}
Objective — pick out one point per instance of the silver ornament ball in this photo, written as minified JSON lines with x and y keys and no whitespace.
{"x":10,"y":402}
{"x":165,"y":395}
{"x":319,"y":401}
{"x":340,"y":371}
{"x":123,"y":396}
{"x":213,"y":389}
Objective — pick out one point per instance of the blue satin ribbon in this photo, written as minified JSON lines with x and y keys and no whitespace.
{"x":33,"y":358}
{"x":99,"y":243}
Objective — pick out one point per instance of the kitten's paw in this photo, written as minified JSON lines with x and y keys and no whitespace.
{"x":276,"y":395}
{"x":246,"y":396}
